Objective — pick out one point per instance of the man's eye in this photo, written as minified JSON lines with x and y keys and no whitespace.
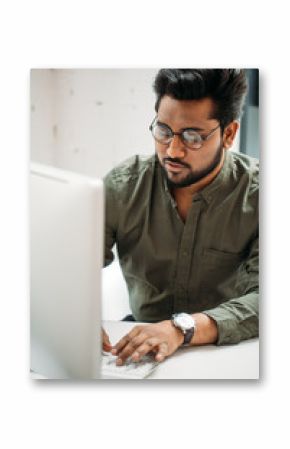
{"x":191,"y":136}
{"x":163,"y":132}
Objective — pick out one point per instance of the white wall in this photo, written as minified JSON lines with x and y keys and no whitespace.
{"x":43,"y":116}
{"x":87,"y":120}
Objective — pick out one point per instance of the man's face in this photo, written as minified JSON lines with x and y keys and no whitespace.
{"x":181,"y":165}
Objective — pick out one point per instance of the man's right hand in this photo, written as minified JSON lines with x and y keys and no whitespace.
{"x":106,"y":341}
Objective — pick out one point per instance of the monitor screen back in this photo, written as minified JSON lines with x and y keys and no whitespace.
{"x":66,"y":242}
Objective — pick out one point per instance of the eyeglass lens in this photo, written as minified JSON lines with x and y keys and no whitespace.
{"x":164,"y":135}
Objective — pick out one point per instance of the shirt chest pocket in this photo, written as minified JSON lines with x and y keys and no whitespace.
{"x":218,"y":273}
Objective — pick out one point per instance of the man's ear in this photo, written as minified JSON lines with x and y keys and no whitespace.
{"x":230,"y":133}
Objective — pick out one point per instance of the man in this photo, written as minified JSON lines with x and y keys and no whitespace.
{"x":185,"y":220}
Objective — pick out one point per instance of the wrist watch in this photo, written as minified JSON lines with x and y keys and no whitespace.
{"x":186,"y":324}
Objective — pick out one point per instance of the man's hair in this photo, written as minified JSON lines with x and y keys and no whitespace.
{"x":226,"y":87}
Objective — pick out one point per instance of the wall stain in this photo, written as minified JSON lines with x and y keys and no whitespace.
{"x":55,"y":131}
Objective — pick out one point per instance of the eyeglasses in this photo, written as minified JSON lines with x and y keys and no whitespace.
{"x":191,"y":139}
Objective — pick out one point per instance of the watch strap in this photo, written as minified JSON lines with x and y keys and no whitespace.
{"x":188,"y":336}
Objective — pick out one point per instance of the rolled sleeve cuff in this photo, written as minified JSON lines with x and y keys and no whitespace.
{"x":228,"y":332}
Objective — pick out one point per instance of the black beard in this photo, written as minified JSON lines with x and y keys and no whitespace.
{"x":194,"y":177}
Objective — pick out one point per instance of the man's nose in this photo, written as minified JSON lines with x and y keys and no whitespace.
{"x":176,"y":148}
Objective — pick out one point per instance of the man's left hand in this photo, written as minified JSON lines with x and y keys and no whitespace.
{"x":162,"y":338}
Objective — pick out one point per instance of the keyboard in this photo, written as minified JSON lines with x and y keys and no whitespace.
{"x":129,"y":369}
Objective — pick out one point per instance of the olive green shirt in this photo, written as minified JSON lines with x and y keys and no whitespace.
{"x":207,"y":264}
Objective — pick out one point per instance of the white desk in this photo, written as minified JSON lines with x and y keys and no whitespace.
{"x":239,"y":361}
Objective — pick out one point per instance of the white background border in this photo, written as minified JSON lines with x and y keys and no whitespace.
{"x":150,"y":34}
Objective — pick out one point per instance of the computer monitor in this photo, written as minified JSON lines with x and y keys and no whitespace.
{"x":66,"y":225}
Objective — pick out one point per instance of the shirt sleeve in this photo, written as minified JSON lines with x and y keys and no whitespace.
{"x":238,"y":318}
{"x":111,"y":214}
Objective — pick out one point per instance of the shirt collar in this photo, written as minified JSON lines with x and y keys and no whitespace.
{"x":210,"y":191}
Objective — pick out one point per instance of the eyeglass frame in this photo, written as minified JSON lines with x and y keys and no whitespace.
{"x":203,"y":138}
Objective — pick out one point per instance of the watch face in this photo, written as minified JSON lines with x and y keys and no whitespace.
{"x":184,"y":321}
